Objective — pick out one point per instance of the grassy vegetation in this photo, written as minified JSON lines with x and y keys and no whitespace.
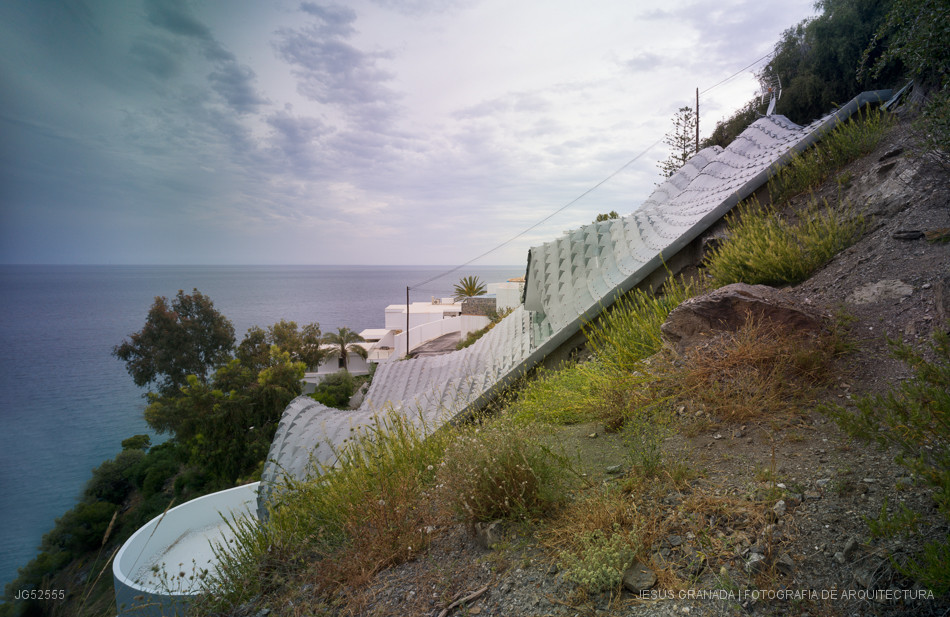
{"x":393,"y":487}
{"x":913,"y":419}
{"x":766,"y":248}
{"x":849,"y":141}
{"x":494,"y":318}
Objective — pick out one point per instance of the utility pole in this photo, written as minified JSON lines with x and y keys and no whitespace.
{"x":697,"y":119}
{"x":407,"y":321}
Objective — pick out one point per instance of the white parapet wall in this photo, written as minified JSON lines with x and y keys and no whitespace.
{"x":426,"y":332}
{"x":159,"y":570}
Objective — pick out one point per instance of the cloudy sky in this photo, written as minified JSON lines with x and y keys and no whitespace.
{"x":363,"y":132}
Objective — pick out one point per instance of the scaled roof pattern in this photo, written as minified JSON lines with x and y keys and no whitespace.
{"x":569,"y":281}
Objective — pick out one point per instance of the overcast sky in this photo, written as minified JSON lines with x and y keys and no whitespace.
{"x":364,"y":132}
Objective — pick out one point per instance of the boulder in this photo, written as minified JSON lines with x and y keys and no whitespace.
{"x":729,"y":308}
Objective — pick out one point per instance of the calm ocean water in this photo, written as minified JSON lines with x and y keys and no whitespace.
{"x":66,"y":403}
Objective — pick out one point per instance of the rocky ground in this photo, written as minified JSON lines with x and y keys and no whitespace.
{"x":810,"y":552}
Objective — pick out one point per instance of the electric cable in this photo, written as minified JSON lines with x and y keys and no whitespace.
{"x":582,"y":195}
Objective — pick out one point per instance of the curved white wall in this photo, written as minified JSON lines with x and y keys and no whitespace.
{"x":147,"y":568}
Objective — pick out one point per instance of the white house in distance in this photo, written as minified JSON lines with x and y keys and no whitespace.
{"x":427,"y":321}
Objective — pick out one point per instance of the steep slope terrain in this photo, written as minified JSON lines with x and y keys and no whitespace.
{"x":795,"y":489}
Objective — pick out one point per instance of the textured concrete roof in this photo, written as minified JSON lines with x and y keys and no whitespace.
{"x":569,"y":281}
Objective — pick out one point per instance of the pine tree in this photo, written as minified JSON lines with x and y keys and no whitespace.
{"x":682,"y":141}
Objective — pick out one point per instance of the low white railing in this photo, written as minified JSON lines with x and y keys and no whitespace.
{"x":425,"y":332}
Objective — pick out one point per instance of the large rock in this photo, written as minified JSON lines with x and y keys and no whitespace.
{"x":729,"y":308}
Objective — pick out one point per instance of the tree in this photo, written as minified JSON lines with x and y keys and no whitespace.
{"x":302,"y":344}
{"x":344,"y":341}
{"x":682,"y":140}
{"x":469,"y":287}
{"x":606,"y":217}
{"x":186,"y":337}
{"x":817,"y":59}
{"x":914,"y":35}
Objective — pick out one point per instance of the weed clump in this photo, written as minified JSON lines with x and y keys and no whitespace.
{"x":601,"y":558}
{"x":849,"y":141}
{"x":500,"y":470}
{"x":597,"y":538}
{"x":756,"y":371}
{"x":765,"y":248}
{"x":630,"y":330}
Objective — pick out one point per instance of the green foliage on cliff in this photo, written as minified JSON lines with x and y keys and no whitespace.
{"x":221,"y":415}
{"x":335,"y":390}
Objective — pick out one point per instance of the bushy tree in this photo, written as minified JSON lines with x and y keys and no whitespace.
{"x":335,"y":390}
{"x":681,"y":140}
{"x":303,"y":344}
{"x":184,"y":337}
{"x":730,"y":128}
{"x":817,"y":60}
{"x":915,"y":36}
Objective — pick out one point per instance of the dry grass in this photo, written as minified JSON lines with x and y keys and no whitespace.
{"x":759,"y":371}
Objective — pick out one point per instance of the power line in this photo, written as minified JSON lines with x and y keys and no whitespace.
{"x":719,"y":83}
{"x":545,"y":219}
{"x":582,"y":195}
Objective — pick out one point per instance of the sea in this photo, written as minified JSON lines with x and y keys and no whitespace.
{"x":66,"y":403}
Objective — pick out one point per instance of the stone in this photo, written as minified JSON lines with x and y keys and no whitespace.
{"x":779,"y":508}
{"x":638,"y":577}
{"x":849,"y":548}
{"x":864,"y":577}
{"x":785,"y":564}
{"x":729,"y":308}
{"x":614,"y":469}
{"x":811,"y":495}
{"x":487,"y":535}
{"x":755,"y":563}
{"x":883,"y":290}
{"x":674,"y":540}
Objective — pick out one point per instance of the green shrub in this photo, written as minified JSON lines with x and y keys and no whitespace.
{"x":601,"y":559}
{"x":500,"y":470}
{"x":335,"y":390}
{"x":564,"y":396}
{"x":112,"y":480}
{"x":849,"y":141}
{"x":764,"y":248}
{"x":630,"y":331}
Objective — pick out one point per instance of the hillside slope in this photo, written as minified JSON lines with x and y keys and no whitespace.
{"x":893,"y":284}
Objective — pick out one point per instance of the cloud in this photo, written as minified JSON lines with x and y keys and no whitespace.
{"x":231,"y":80}
{"x":175,"y":17}
{"x":337,"y":20}
{"x":158,"y":55}
{"x":417,"y":8}
{"x":234,"y":82}
{"x":333,"y":72}
{"x":644,"y":61}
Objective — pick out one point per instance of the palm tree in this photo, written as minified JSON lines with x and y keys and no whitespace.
{"x":469,"y":287}
{"x":344,"y":341}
